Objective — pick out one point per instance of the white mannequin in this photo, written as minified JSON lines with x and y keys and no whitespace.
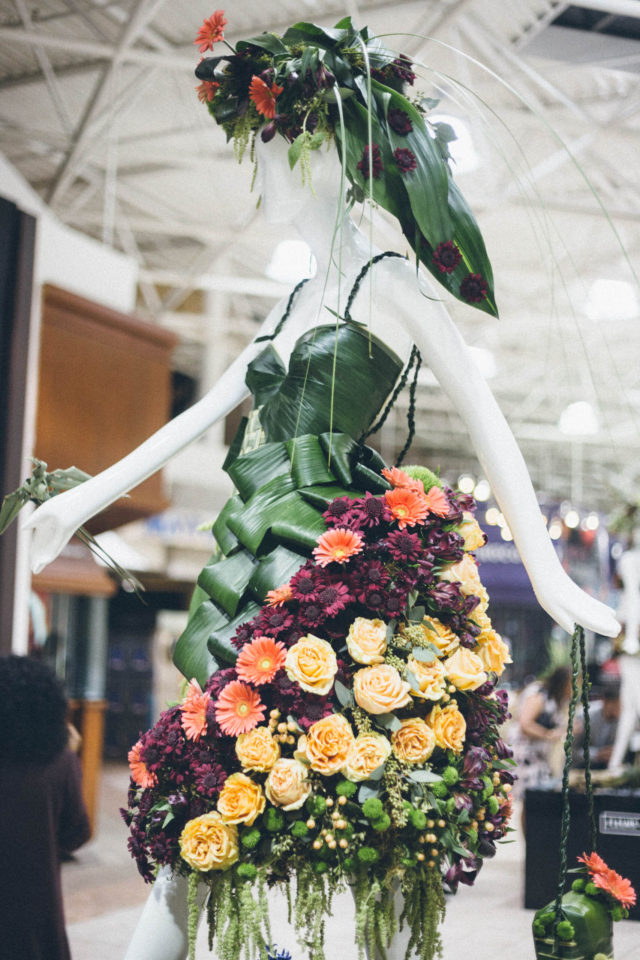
{"x":629,"y":613}
{"x":398,"y":313}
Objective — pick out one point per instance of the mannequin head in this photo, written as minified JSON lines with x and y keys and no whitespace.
{"x":284,"y":195}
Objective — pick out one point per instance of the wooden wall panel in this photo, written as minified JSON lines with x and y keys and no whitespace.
{"x":104,"y":387}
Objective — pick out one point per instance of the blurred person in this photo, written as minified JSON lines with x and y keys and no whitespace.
{"x":604,"y":714}
{"x":42,"y":813}
{"x":540,"y":727}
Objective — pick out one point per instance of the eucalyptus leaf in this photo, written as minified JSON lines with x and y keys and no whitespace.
{"x":417,"y":614}
{"x":411,"y":678}
{"x":344,"y":695}
{"x":388,"y":721}
{"x":424,"y":776}
{"x":377,"y":774}
{"x":423,"y":654}
{"x":167,"y":820}
{"x":367,"y":790}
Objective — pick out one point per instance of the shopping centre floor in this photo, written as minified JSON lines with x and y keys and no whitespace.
{"x":104,"y":896}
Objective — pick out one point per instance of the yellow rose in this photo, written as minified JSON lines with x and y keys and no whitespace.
{"x":449,"y":727}
{"x":257,"y":750}
{"x":208,"y":843}
{"x":474,"y":538}
{"x":493,"y":651}
{"x":367,"y":752}
{"x":480,"y":617}
{"x":326,"y":745}
{"x":465,"y":669}
{"x":440,"y":636}
{"x":414,"y":741}
{"x":241,"y":800}
{"x":380,"y":688}
{"x":430,"y":677}
{"x":287,"y":785}
{"x":367,"y":640}
{"x":312,"y":663}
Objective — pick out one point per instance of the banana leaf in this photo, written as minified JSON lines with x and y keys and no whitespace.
{"x":308,"y":462}
{"x":191,"y":655}
{"x":253,"y":470}
{"x":227,"y":541}
{"x":368,"y":479}
{"x":298,"y":523}
{"x":226,"y":580}
{"x":319,"y":395}
{"x":341,"y":452}
{"x":265,"y":375}
{"x":275,"y":570}
{"x":220,"y":637}
{"x":318,"y":36}
{"x":321,"y":496}
{"x":251,"y":526}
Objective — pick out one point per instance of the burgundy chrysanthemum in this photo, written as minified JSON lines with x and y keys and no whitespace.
{"x":373,"y":511}
{"x":304,"y":584}
{"x":377,"y":166}
{"x":474,"y":288}
{"x":209,"y":779}
{"x":401,"y":66}
{"x":403,"y":545}
{"x":334,"y":598}
{"x":446,"y":257}
{"x":312,"y":614}
{"x":399,"y":121}
{"x":271,"y":621}
{"x":335,"y":512}
{"x":405,"y":159}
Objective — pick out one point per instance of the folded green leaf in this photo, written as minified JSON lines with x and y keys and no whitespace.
{"x":191,"y":655}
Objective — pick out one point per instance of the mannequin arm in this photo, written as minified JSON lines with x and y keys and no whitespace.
{"x":446,"y":353}
{"x":55,"y":522}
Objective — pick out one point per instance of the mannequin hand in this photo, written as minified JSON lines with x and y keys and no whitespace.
{"x":51,"y":531}
{"x":567,"y":604}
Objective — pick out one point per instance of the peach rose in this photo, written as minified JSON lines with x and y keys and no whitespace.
{"x":414,"y":741}
{"x":380,"y":688}
{"x":465,"y":572}
{"x":257,"y":750}
{"x":449,"y":727}
{"x":208,"y":843}
{"x":287,"y":785}
{"x":241,"y":800}
{"x":440,"y":636}
{"x":474,"y":538}
{"x":493,"y":651}
{"x":430,"y":677}
{"x":465,"y":669}
{"x":326,"y":745}
{"x":367,"y":640}
{"x":312,"y":663}
{"x":367,"y":752}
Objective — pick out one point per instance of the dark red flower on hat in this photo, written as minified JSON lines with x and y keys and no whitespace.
{"x":399,"y":121}
{"x":446,"y":257}
{"x":377,"y":167}
{"x":473,"y":288}
{"x":405,"y":159}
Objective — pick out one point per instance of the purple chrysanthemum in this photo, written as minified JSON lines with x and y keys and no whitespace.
{"x":373,"y":511}
{"x":334,"y":598}
{"x":401,"y":66}
{"x":403,"y":546}
{"x":399,"y":121}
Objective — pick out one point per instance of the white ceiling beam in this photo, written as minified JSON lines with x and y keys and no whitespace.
{"x":98,"y":51}
{"x":618,"y":8}
{"x":250,"y":286}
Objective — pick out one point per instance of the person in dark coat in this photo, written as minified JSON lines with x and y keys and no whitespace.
{"x":42,"y":813}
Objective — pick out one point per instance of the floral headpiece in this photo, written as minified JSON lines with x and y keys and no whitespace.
{"x":314,"y":85}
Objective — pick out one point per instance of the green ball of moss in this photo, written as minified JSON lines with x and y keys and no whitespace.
{"x":439,"y":789}
{"x":372,"y":808}
{"x":316,"y":806}
{"x":565,"y":930}
{"x":320,"y":866}
{"x":428,"y":478}
{"x":450,"y":776}
{"x":418,"y":818}
{"x":368,"y":855}
{"x":382,"y":823}
{"x":299,"y":829}
{"x":488,"y":786}
{"x":492,"y":805}
{"x":247,"y":871}
{"x":346,"y":788}
{"x":274,"y":820}
{"x":591,"y":890}
{"x":450,"y":805}
{"x":250,"y":839}
{"x":348,"y":864}
{"x":617,"y":912}
{"x":472,"y":835}
{"x":538,"y":928}
{"x":579,"y":884}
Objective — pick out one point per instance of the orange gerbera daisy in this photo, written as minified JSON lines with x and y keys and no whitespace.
{"x":407,"y":506}
{"x":398,"y":478}
{"x":211,"y":31}
{"x":194,"y":711}
{"x":437,"y":502}
{"x":139,"y":772}
{"x":207,"y":90}
{"x":264,"y":96}
{"x":337,"y":546}
{"x":593,"y":862}
{"x":259,"y":661}
{"x":616,"y":886}
{"x":238,"y":709}
{"x":275,"y":598}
